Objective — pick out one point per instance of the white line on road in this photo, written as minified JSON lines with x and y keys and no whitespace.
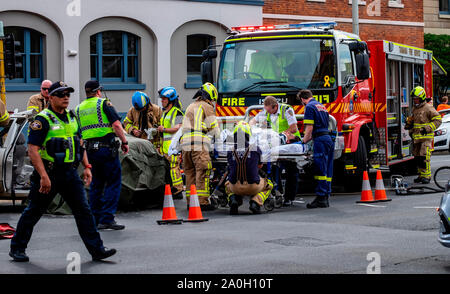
{"x":426,"y":207}
{"x":369,"y":205}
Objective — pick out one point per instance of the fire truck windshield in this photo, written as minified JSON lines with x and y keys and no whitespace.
{"x":306,"y":63}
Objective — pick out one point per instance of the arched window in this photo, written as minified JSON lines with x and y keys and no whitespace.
{"x":31,"y":51}
{"x":195,"y":46}
{"x":114,"y":57}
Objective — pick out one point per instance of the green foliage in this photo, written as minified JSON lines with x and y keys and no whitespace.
{"x":440,"y":45}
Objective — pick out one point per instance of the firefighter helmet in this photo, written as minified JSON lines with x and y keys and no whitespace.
{"x":418,"y":92}
{"x":168,"y":92}
{"x":244,"y":127}
{"x":211,"y":90}
{"x":140,"y":100}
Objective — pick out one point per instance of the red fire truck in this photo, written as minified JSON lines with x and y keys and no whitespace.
{"x":364,"y":85}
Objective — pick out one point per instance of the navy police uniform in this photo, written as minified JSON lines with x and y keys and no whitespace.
{"x":96,"y":116}
{"x":65,"y":181}
{"x":317,"y":115}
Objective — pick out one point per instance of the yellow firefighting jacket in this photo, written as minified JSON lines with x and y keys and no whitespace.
{"x":133,"y":120}
{"x":37,"y":102}
{"x":423,"y":116}
{"x":199,"y":119}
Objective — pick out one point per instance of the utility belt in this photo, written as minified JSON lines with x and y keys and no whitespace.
{"x":319,"y":134}
{"x":50,"y":166}
{"x":93,"y":145}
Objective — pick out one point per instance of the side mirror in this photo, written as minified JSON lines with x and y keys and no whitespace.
{"x":206,"y":69}
{"x":209,"y":53}
{"x":362,"y":66}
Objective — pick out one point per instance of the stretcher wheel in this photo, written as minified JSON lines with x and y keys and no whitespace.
{"x":269,"y":204}
{"x":223,"y":201}
{"x":214,"y":202}
{"x":278,"y":201}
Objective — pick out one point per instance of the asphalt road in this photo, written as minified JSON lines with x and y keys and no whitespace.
{"x":403,"y":233}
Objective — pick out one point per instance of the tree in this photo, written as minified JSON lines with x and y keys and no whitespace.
{"x":440,"y":45}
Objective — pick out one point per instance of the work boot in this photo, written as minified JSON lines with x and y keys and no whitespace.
{"x":110,"y":226}
{"x":318,"y":202}
{"x":254,"y":207}
{"x":234,"y":205}
{"x":425,"y":181}
{"x":19,"y":255}
{"x":418,"y":179}
{"x":104,"y":253}
{"x":178,"y":196}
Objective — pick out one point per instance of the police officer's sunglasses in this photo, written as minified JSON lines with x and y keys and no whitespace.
{"x":61,"y":94}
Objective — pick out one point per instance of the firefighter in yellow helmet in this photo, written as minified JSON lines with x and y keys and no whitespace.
{"x":198,"y":125}
{"x":421,"y":125}
{"x":244,"y":163}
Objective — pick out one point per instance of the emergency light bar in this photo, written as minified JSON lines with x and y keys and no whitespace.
{"x":327,"y":25}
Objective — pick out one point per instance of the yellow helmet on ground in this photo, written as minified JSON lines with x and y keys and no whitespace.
{"x":418,"y":92}
{"x":211,"y":90}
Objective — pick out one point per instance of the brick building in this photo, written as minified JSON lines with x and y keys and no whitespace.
{"x":400,"y":21}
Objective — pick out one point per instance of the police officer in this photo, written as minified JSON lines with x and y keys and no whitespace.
{"x":39,"y":101}
{"x":100,"y":124}
{"x":316,"y":128}
{"x":4,"y":115}
{"x":171,"y":121}
{"x":143,"y":115}
{"x":281,"y":117}
{"x":55,"y":151}
{"x":244,"y":163}
{"x":199,"y":122}
{"x":421,"y":125}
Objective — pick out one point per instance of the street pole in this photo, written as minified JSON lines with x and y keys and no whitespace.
{"x":355,"y":17}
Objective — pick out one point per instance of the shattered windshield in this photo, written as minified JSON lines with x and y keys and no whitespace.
{"x":291,"y":64}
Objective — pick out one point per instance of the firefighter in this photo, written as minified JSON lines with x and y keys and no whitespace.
{"x":4,"y":115}
{"x":244,"y":163}
{"x":99,"y":125}
{"x":199,"y":122}
{"x":316,"y":128}
{"x":421,"y":125}
{"x":171,"y":121}
{"x":281,"y":117}
{"x":55,"y":171}
{"x":39,"y":101}
{"x":143,"y":115}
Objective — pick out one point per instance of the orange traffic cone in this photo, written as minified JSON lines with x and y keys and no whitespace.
{"x":380,"y":192}
{"x":169,"y":215}
{"x":366,"y":193}
{"x":195,"y":213}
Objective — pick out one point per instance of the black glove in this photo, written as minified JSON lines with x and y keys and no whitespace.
{"x":423,"y":131}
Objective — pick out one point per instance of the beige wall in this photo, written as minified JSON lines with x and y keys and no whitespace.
{"x":435,"y":23}
{"x":52,"y":58}
{"x":121,"y":99}
{"x":178,"y":53}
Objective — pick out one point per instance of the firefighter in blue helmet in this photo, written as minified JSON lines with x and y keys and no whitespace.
{"x":316,"y":128}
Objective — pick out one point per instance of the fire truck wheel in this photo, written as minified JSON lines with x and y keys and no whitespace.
{"x":354,"y":182}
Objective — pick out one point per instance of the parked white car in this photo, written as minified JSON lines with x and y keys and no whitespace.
{"x":442,"y":134}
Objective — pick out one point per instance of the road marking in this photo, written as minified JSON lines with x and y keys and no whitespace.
{"x":296,"y":201}
{"x":370,"y":205}
{"x":430,"y":207}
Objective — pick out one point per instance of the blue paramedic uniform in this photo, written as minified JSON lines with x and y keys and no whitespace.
{"x":317,"y":115}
